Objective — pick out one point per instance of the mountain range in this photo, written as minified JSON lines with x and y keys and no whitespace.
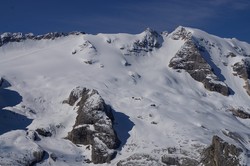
{"x":170,"y":98}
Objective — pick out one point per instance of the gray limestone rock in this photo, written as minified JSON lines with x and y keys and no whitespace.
{"x":221,"y":153}
{"x":93,"y":125}
{"x":181,"y":34}
{"x":191,"y":60}
{"x":242,"y":69}
{"x":151,"y":40}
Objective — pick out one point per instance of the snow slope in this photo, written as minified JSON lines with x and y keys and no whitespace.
{"x":156,"y":107}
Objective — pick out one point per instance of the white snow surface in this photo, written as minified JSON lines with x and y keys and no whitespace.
{"x":185,"y":115}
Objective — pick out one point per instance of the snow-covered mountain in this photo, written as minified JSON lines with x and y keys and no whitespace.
{"x":179,"y":98}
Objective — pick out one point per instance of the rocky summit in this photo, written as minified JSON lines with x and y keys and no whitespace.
{"x":154,"y":98}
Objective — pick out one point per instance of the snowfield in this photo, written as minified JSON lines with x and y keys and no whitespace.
{"x":156,"y":108}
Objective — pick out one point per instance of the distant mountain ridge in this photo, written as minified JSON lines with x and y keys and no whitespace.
{"x":18,"y":36}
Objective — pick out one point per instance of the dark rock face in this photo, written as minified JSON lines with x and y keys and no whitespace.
{"x":93,"y":125}
{"x":18,"y":37}
{"x":221,"y":153}
{"x":190,"y":59}
{"x":242,"y":69}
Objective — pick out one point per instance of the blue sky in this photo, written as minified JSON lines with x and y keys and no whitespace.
{"x":225,"y":18}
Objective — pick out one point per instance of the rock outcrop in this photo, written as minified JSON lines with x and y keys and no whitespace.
{"x":239,"y":112}
{"x":149,"y":41}
{"x":93,"y":125}
{"x":190,"y":59}
{"x":242,"y":69}
{"x":221,"y":153}
{"x":43,"y":132}
{"x":181,"y":34}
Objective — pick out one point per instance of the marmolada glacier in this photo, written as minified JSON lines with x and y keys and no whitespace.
{"x":150,"y":99}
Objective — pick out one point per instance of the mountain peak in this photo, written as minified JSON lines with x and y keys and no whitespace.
{"x":181,"y":33}
{"x":150,"y":31}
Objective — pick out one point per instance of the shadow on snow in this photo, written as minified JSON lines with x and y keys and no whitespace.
{"x":122,"y":127}
{"x":10,"y":120}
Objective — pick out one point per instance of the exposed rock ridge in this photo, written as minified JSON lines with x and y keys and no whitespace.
{"x":190,"y":59}
{"x":18,"y":37}
{"x":93,"y":125}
